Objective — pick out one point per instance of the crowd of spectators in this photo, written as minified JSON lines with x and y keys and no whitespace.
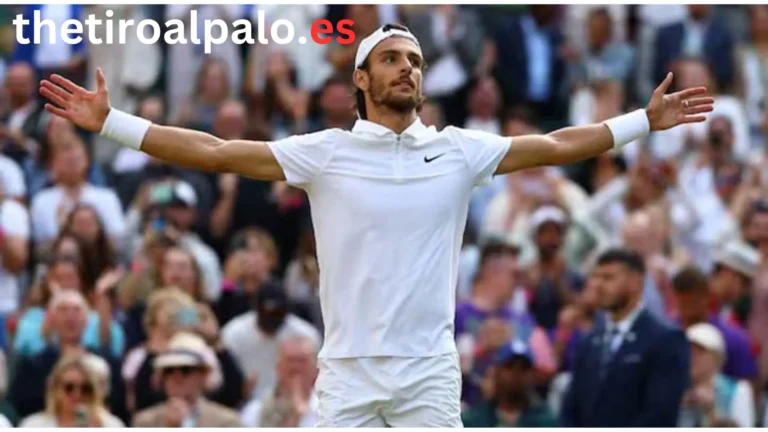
{"x":137,"y":293}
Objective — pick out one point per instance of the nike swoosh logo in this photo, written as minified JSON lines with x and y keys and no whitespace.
{"x":428,"y":160}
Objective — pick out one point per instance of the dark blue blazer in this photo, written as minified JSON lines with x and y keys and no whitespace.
{"x":512,"y":62}
{"x":718,"y":51}
{"x":643,"y":386}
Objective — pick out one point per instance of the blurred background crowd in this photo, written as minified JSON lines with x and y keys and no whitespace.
{"x":129,"y":287}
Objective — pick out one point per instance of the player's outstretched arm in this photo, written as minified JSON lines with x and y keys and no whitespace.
{"x":91,"y":111}
{"x":573,"y":144}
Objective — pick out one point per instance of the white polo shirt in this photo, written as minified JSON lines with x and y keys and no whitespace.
{"x":389,"y":213}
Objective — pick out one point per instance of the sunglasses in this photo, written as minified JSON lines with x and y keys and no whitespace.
{"x":184,"y":370}
{"x":83,"y":388}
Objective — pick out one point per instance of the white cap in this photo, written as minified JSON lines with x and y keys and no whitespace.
{"x":184,"y":349}
{"x":184,"y":192}
{"x":740,"y":257}
{"x":546,"y":214}
{"x":368,"y":44}
{"x":708,"y":337}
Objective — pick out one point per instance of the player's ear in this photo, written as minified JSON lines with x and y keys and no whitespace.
{"x":361,"y":79}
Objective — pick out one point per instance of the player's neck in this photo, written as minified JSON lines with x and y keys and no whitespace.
{"x":618,"y":315}
{"x":394,"y":121}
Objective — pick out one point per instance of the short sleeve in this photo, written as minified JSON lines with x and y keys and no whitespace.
{"x":303,"y":157}
{"x":14,"y":219}
{"x":483,"y":151}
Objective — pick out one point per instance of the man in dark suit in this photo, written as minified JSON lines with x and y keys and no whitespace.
{"x":529,"y":67}
{"x":632,"y":369}
{"x":702,"y":35}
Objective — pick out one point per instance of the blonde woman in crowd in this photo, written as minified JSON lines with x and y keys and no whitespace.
{"x":73,"y":399}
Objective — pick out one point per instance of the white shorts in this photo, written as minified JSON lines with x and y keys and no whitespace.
{"x":389,"y":392}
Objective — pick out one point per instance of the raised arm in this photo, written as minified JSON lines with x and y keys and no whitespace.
{"x":573,"y":144}
{"x":91,"y":111}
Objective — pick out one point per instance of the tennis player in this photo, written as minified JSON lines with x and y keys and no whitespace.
{"x":389,"y":202}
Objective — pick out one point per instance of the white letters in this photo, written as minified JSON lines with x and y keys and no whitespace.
{"x":247,"y":30}
{"x":280,"y":31}
{"x":209,"y":37}
{"x":91,"y":22}
{"x":275,"y":28}
{"x":155,"y":31}
{"x":19,"y":22}
{"x":66,"y":31}
{"x":178,"y":30}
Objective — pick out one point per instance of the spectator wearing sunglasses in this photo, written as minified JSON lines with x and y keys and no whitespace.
{"x":69,"y":312}
{"x":183,"y":369}
{"x":73,"y":399}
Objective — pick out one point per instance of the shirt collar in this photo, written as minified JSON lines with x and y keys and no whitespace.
{"x":625,"y":325}
{"x":416,"y":130}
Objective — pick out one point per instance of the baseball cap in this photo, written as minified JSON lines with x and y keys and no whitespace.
{"x":739,"y":256}
{"x":516,"y":349}
{"x":271,"y":297}
{"x":708,"y":337}
{"x":381,"y":34}
{"x":546,"y":214}
{"x":175,"y":193}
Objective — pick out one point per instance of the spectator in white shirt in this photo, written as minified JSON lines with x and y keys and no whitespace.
{"x":711,"y":395}
{"x":51,"y":206}
{"x":14,"y":247}
{"x":254,"y":338}
{"x":711,"y":177}
{"x":292,"y":403}
{"x":12,"y":179}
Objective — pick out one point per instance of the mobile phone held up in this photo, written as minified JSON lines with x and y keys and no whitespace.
{"x":187,"y":317}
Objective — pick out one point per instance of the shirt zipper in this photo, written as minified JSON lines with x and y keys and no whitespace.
{"x":398,"y":161}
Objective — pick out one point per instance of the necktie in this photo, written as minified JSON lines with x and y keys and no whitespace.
{"x":607,"y":351}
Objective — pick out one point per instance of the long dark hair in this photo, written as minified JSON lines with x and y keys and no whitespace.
{"x":100,"y":254}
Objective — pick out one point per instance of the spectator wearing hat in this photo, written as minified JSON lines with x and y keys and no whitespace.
{"x":555,"y":282}
{"x":509,"y":213}
{"x":693,"y":302}
{"x":712,"y":396}
{"x":735,"y":268}
{"x":292,"y":403}
{"x":513,"y":400}
{"x":630,"y":371}
{"x":172,"y":206}
{"x":184,"y":368}
{"x":492,"y":316}
{"x":254,"y":337}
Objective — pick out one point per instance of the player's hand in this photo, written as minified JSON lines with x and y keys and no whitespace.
{"x":686,"y":106}
{"x":84,"y":108}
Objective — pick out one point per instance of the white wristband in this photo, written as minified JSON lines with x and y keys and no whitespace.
{"x":628,"y":127}
{"x":125,"y":129}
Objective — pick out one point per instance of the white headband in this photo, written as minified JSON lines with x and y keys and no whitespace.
{"x":368,"y":44}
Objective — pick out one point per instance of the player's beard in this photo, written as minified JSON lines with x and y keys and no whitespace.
{"x":381,"y":95}
{"x":618,"y":303}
